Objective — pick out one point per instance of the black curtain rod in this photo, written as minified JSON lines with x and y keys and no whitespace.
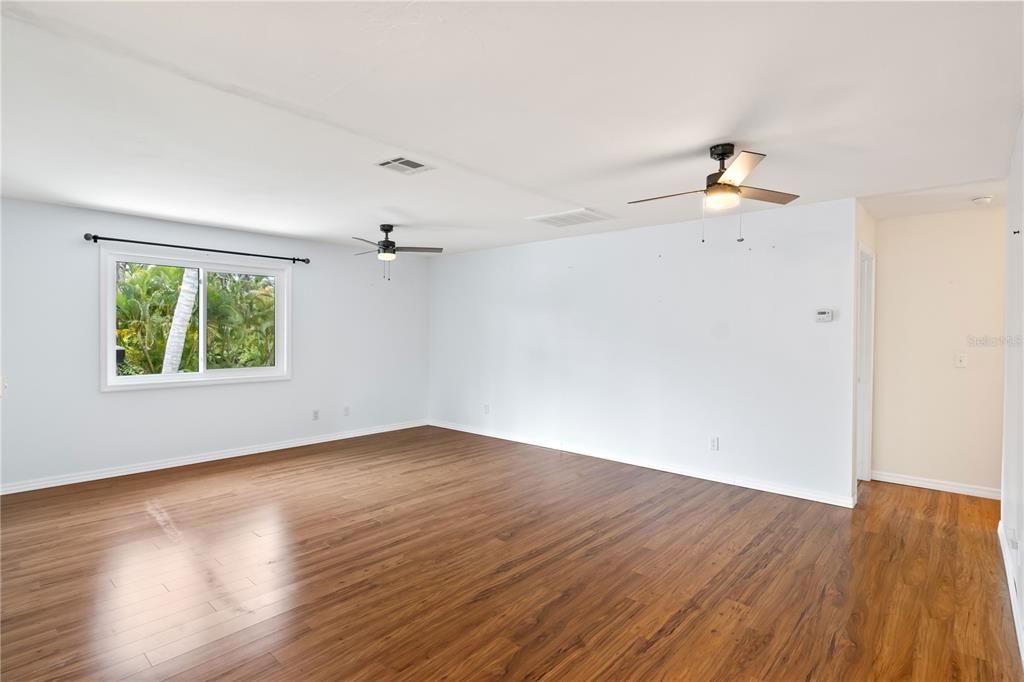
{"x":95,"y":238}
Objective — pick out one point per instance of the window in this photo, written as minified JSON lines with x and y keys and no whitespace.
{"x":174,"y":321}
{"x":241,"y":320}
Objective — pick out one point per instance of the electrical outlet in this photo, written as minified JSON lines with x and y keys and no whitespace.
{"x":348,"y":411}
{"x":713,"y":444}
{"x":487,"y":408}
{"x":316,"y":415}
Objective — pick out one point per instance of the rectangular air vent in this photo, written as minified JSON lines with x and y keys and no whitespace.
{"x":577,"y":216}
{"x":405,"y":166}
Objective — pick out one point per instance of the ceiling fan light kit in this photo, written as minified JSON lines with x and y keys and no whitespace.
{"x":719,"y":197}
{"x":724,"y":188}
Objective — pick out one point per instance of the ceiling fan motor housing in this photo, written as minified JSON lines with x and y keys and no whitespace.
{"x":721,"y":152}
{"x":386,"y":245}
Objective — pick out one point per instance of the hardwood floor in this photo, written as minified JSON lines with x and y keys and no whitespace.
{"x":426,"y":554}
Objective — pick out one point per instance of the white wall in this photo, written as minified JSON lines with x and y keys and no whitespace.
{"x":1012,"y":522}
{"x":940,"y":289}
{"x":356,"y":340}
{"x":641,"y":345}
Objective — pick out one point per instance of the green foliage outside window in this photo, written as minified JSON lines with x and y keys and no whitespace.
{"x":146,"y":296}
{"x":240,"y":319}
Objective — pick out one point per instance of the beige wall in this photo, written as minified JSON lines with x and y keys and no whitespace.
{"x":940,"y":281}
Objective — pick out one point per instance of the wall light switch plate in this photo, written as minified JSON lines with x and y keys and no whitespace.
{"x":960,"y":361}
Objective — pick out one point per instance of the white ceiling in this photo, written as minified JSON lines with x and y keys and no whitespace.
{"x":272,"y":116}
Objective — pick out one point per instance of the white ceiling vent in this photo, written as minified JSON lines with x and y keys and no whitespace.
{"x":577,"y":216}
{"x":405,"y":166}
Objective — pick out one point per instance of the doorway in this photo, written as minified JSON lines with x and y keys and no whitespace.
{"x":865,"y":360}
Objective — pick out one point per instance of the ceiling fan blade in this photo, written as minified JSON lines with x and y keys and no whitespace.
{"x":363,"y":253}
{"x":665,"y":196}
{"x":767,"y":195}
{"x":418,"y":249}
{"x":360,"y":239}
{"x":740,"y":168}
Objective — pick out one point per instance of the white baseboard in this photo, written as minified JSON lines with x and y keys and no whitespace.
{"x":933,"y":484}
{"x":1011,"y":582}
{"x":96,"y":474}
{"x":717,"y":477}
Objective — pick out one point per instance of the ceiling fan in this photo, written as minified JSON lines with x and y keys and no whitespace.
{"x":724,"y":188}
{"x":387,"y":250}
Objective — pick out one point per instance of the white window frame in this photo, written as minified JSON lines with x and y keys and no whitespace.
{"x":282,"y":272}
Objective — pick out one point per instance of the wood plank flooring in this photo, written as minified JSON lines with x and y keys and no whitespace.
{"x":430,"y":554}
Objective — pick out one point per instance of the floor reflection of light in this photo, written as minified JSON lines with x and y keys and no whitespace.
{"x":188,"y":582}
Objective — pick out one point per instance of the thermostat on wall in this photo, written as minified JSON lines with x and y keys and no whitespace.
{"x":823,"y":315}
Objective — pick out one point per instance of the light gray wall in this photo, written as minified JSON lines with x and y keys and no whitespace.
{"x":636,"y":345}
{"x":641,"y":345}
{"x":1013,"y":413}
{"x":357,"y":341}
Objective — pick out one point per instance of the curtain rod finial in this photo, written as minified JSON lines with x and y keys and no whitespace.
{"x":89,"y":237}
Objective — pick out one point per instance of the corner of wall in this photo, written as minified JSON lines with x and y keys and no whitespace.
{"x":865,"y":226}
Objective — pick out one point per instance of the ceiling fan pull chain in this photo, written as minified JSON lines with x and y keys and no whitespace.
{"x":701,"y":222}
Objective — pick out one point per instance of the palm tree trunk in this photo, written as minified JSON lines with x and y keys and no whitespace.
{"x":179,"y":324}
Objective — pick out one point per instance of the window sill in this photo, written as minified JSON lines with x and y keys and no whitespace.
{"x":194,"y":380}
